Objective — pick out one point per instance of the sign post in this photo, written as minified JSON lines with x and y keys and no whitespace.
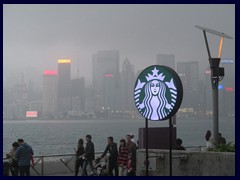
{"x":158,"y":95}
{"x":146,"y":141}
{"x":170,"y":146}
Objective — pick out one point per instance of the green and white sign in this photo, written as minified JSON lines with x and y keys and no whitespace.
{"x":158,"y":92}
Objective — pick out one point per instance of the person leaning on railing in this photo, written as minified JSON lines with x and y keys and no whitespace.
{"x":23,"y":154}
{"x":13,"y":163}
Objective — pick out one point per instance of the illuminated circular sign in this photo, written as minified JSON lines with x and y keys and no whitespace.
{"x":158,"y":93}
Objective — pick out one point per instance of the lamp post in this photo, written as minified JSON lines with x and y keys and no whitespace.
{"x":217,"y":74}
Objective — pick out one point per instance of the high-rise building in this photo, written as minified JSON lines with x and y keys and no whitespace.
{"x":207,"y":92}
{"x":189,"y":74}
{"x":105,"y":80}
{"x":228,"y":83}
{"x":78,"y":94}
{"x":127,"y":84}
{"x":89,"y":99}
{"x":109,"y":92}
{"x":49,"y":93}
{"x":64,"y":86}
{"x":166,"y":60}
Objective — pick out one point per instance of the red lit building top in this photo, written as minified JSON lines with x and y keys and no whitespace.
{"x":50,"y":72}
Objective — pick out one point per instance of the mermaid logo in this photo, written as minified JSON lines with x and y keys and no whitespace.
{"x":158,"y":92}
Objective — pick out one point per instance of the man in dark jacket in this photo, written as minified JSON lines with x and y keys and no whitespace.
{"x":221,"y":140}
{"x":179,"y":144}
{"x":89,"y":155}
{"x":132,"y":149}
{"x":23,"y":154}
{"x":113,"y":156}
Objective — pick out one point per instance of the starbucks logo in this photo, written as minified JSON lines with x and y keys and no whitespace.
{"x":158,"y":93}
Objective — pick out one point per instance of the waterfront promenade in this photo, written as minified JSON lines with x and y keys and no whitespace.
{"x":192,"y":162}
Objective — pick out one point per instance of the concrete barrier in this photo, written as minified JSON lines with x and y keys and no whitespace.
{"x":186,"y":163}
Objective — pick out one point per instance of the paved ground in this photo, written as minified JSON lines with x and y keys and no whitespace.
{"x":64,"y":174}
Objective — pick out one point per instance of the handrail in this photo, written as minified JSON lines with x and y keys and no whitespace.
{"x":99,"y":152}
{"x":194,"y":146}
{"x":41,"y":159}
{"x":55,"y":155}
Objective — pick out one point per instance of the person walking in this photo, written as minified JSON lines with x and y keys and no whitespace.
{"x":23,"y":155}
{"x":112,"y":159}
{"x":88,"y":156}
{"x":131,"y":148}
{"x":12,"y":160}
{"x":122,"y":158}
{"x":79,"y":159}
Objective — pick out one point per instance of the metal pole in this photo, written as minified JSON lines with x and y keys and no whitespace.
{"x":146,"y":141}
{"x":170,"y":146}
{"x":215,"y":112}
{"x":215,"y":81}
{"x":42,"y":171}
{"x":206,"y":41}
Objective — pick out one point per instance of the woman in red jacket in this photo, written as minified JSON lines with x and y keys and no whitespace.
{"x":122,"y":158}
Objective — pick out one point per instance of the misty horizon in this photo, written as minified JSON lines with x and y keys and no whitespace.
{"x":35,"y":36}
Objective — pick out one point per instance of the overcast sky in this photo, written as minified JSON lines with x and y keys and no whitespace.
{"x":35,"y":36}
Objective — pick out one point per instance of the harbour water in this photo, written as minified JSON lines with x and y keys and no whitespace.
{"x":61,"y":136}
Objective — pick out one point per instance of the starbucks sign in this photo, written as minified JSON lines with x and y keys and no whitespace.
{"x":158,"y":93}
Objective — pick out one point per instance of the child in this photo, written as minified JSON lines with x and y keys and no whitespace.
{"x":130,"y":168}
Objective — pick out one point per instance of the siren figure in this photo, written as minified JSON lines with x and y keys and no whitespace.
{"x":155,"y":103}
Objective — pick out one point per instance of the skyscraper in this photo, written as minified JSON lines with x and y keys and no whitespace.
{"x":105,"y":79}
{"x":49,"y":93}
{"x":127,"y":86}
{"x":78,"y":94}
{"x":64,"y":86}
{"x":189,"y":74}
{"x":166,"y":60}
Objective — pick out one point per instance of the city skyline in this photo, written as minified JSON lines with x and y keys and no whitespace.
{"x":28,"y":75}
{"x":112,"y":90}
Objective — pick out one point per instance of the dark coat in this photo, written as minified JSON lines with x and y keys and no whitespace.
{"x":23,"y":154}
{"x":113,"y":151}
{"x":132,"y":148}
{"x":89,"y":151}
{"x":80,"y":151}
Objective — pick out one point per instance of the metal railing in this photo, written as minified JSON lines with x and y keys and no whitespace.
{"x":55,"y":164}
{"x":195,"y":148}
{"x":63,"y":164}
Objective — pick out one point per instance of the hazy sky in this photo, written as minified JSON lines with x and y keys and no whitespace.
{"x":35,"y":36}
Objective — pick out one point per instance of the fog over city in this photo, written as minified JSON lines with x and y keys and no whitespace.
{"x":35,"y":36}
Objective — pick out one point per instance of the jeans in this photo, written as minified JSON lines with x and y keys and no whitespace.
{"x":14,"y":171}
{"x":24,"y":170}
{"x":85,"y":163}
{"x":112,"y":165}
{"x":122,"y":170}
{"x":78,"y":163}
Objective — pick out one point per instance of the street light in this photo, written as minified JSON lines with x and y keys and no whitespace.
{"x":217,"y":74}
